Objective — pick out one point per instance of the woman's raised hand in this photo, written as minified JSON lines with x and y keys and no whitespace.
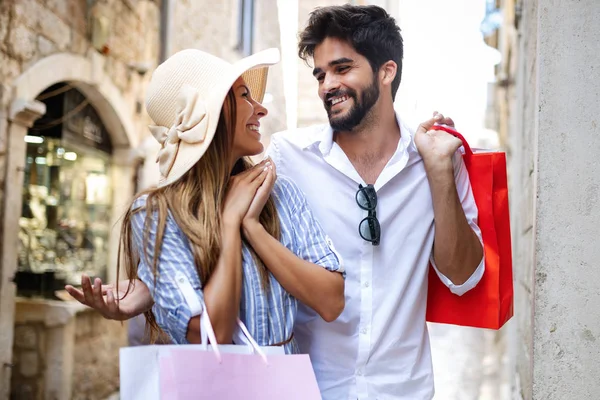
{"x":241,"y":192}
{"x":261,"y":197}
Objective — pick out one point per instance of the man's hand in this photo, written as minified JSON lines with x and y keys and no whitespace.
{"x":102,"y":297}
{"x":435,"y":146}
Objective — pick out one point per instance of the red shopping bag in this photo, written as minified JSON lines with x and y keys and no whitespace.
{"x":490,"y":303}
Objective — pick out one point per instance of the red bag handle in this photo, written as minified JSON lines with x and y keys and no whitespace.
{"x":468,"y":151}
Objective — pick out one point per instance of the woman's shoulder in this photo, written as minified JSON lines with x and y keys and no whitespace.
{"x":287,"y":189}
{"x":139,"y":215}
{"x":139,"y":201}
{"x":288,"y":196}
{"x":140,"y":206}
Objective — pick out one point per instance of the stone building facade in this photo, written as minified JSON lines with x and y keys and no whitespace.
{"x":95,"y":47}
{"x":547,"y":96}
{"x":105,"y":51}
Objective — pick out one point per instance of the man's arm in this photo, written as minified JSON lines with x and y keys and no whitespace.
{"x":457,"y":250}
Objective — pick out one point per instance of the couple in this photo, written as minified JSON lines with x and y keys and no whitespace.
{"x":246,"y":241}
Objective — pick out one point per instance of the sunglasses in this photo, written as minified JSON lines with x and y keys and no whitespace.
{"x":369,"y":228}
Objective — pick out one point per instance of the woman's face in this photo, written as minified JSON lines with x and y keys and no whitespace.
{"x":246,"y":136}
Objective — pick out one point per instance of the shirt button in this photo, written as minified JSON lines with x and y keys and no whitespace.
{"x":363,"y":331}
{"x":359,"y":373}
{"x":366,"y":284}
{"x":181,"y":280}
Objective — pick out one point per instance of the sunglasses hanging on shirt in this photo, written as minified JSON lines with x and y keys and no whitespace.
{"x":369,"y":228}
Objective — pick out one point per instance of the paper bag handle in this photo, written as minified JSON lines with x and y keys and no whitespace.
{"x":197,"y":307}
{"x":207,"y":332}
{"x":453,"y":132}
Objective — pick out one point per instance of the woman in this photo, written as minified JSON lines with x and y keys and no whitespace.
{"x":244,"y":242}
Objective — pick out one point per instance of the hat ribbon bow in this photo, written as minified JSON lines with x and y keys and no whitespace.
{"x":190,"y":127}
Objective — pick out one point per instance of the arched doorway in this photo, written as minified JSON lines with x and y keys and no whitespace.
{"x":87,"y":76}
{"x":67,"y":196}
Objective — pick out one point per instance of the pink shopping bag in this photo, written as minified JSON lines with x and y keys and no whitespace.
{"x":188,"y":373}
{"x":195,"y":374}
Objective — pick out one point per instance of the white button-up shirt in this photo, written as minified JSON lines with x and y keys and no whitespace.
{"x":379,"y":346}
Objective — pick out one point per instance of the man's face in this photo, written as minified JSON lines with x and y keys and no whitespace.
{"x":347,"y":85}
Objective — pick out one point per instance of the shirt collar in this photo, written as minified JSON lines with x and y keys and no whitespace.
{"x":322,"y":139}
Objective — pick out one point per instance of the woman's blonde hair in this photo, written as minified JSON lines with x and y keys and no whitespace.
{"x":195,"y":202}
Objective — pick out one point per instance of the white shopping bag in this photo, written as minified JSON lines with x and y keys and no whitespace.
{"x":231,"y":372}
{"x":140,"y":365}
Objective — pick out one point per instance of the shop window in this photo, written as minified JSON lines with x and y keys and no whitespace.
{"x":67,"y":196}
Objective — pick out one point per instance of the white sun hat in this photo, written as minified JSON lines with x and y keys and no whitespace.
{"x":185,"y":97}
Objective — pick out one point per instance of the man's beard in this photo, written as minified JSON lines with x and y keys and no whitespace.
{"x":354,"y":117}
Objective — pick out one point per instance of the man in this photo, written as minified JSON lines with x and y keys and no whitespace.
{"x":392,"y":201}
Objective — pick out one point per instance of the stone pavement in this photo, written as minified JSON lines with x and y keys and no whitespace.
{"x":468,"y":363}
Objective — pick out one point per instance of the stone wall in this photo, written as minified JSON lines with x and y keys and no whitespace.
{"x":28,"y":361}
{"x":64,"y":351}
{"x":212,"y":27}
{"x":31,"y":30}
{"x":96,"y":364}
{"x":206,"y":25}
{"x":521,"y":139}
{"x":553,"y":137}
{"x":566,"y":315}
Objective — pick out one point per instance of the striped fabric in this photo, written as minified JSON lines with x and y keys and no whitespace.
{"x":268,"y":315}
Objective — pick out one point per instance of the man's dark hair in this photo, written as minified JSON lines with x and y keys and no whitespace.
{"x":370,"y":30}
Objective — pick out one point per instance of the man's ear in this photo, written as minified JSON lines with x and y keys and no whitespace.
{"x":388,"y":72}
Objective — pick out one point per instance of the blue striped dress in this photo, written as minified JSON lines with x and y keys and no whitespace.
{"x":269,"y":315}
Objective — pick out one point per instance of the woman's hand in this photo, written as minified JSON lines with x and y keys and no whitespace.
{"x":102,"y":297}
{"x":241,"y":192}
{"x":261,"y":196}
